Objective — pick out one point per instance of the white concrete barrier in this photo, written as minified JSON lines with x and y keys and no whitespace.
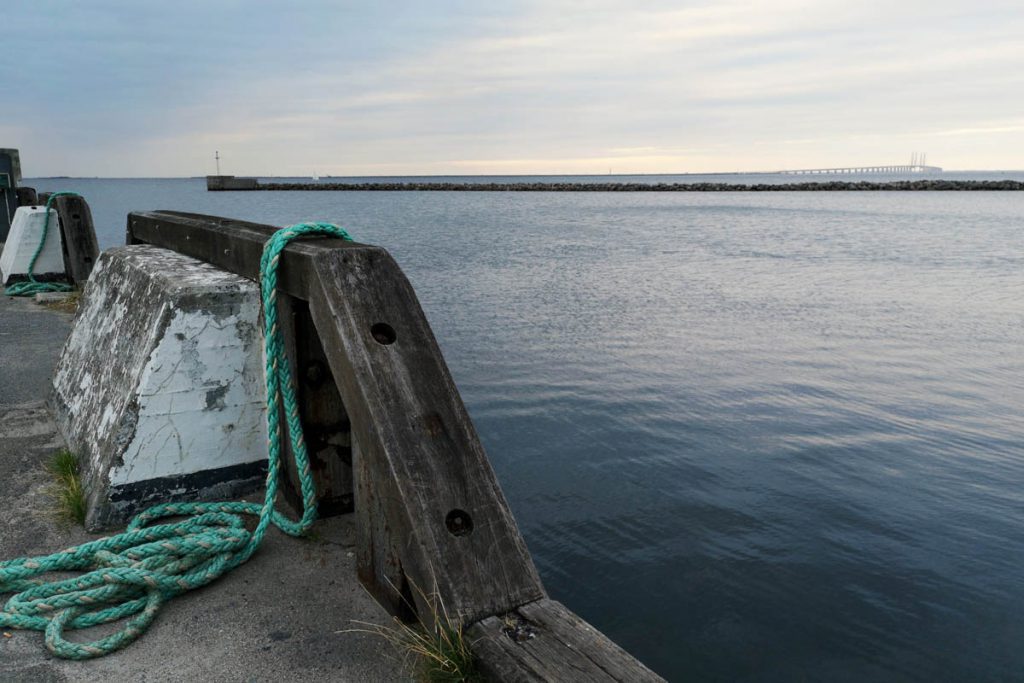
{"x":26,"y":230}
{"x":159,"y":389}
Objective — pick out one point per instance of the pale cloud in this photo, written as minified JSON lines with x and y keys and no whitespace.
{"x":984,"y":130}
{"x":521,"y":87}
{"x":572,"y":165}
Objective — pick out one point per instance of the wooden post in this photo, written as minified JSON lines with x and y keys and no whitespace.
{"x":324,"y":421}
{"x":78,"y":237}
{"x":417,"y":445}
{"x":27,"y":196}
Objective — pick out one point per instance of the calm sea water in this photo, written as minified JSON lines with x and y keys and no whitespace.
{"x":752,"y":437}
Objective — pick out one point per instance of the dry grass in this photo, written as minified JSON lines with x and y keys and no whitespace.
{"x":66,"y":490}
{"x":68,"y":304}
{"x":435,"y":650}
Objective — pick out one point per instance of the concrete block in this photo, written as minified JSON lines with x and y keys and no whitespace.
{"x":159,"y":389}
{"x":26,"y":230}
{"x":230,"y":182}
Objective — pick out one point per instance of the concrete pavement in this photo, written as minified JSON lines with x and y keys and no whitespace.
{"x":276,"y":618}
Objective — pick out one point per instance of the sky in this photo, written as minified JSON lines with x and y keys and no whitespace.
{"x":140,"y":88}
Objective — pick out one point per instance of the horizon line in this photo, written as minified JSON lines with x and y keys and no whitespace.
{"x":484,"y":175}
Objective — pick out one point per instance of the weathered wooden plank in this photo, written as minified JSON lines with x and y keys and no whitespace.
{"x":78,"y":237}
{"x":324,"y":421}
{"x":544,"y":641}
{"x":429,"y":473}
{"x":27,"y":196}
{"x":379,"y":548}
{"x":232,"y":245}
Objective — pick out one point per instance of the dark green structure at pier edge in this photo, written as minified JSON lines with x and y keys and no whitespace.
{"x":10,"y":176}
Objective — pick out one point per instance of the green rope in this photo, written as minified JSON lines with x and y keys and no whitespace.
{"x":31,"y":287}
{"x":130,"y":575}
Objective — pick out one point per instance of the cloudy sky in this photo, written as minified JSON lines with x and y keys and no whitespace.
{"x":138,"y":88}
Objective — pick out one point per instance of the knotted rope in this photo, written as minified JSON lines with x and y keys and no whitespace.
{"x":130,"y":575}
{"x":31,"y":287}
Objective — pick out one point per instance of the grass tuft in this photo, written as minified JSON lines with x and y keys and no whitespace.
{"x":435,"y":650}
{"x":66,"y":490}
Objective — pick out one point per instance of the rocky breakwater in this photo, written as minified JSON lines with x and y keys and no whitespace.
{"x":826,"y":186}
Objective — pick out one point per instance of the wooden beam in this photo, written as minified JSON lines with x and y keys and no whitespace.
{"x":233,"y":245}
{"x":425,"y":470}
{"x":379,"y":543}
{"x":544,"y":641}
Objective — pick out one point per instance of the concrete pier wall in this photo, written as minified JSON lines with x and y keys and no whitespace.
{"x":217,"y":183}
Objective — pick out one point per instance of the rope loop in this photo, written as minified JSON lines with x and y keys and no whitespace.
{"x":129,"y":576}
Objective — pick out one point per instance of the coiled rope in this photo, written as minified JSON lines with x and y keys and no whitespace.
{"x":130,"y":575}
{"x":31,"y":287}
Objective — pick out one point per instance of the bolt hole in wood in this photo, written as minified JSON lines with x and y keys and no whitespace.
{"x":315,"y":373}
{"x":459,"y":522}
{"x":383,"y":333}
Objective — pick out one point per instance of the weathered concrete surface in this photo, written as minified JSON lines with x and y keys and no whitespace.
{"x":26,"y":230}
{"x":273,"y":619}
{"x":159,"y":390}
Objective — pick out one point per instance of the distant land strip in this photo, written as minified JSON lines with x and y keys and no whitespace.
{"x":830,"y":186}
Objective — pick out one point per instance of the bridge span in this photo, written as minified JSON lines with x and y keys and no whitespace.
{"x":864,"y":170}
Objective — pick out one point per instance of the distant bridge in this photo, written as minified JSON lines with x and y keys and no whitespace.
{"x":864,"y":170}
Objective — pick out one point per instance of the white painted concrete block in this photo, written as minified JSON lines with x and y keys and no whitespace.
{"x":26,"y":230}
{"x":159,"y":389}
